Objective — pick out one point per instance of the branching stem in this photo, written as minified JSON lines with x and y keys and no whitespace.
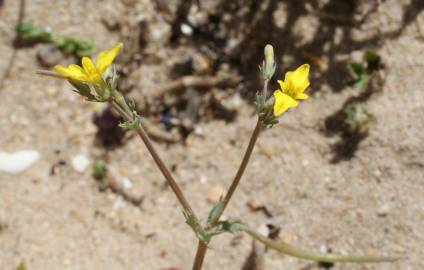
{"x":202,"y":248}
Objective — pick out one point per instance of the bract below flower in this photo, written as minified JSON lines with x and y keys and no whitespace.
{"x":291,"y":89}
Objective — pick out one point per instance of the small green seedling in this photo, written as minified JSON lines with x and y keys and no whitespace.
{"x":21,"y":266}
{"x":99,"y":169}
{"x":362,"y":71}
{"x":358,"y":118}
{"x":68,"y":44}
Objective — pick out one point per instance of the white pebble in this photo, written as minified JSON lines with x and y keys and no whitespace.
{"x":80,"y":163}
{"x":383,"y":210}
{"x":186,"y":29}
{"x":126,"y":182}
{"x":18,"y":161}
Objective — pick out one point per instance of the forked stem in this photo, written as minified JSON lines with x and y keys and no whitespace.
{"x":202,"y":247}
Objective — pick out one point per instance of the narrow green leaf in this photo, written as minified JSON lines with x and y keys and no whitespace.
{"x":357,"y":69}
{"x":216,"y":209}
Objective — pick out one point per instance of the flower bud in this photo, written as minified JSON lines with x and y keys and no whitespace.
{"x":269,"y":54}
{"x":268,"y":66}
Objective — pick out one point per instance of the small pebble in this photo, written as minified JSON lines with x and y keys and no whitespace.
{"x":203,"y":179}
{"x":215,"y":194}
{"x":383,"y":211}
{"x":49,"y":56}
{"x":198,"y":131}
{"x":66,"y":262}
{"x":80,"y":163}
{"x":126,"y":183}
{"x":263,"y":230}
{"x":51,"y":91}
{"x":186,"y":29}
{"x":18,"y":161}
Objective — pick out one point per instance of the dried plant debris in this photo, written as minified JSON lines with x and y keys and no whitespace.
{"x":119,"y":185}
{"x":255,"y":207}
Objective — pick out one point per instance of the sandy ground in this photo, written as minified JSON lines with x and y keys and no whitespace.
{"x":372,"y":203}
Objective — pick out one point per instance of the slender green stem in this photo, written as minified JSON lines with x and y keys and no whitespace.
{"x":314,"y":256}
{"x":241,"y":169}
{"x":201,"y":248}
{"x":122,"y":110}
{"x":244,"y":162}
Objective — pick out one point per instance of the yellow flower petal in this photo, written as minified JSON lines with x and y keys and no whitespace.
{"x":72,"y":72}
{"x":283,"y":85}
{"x":105,"y":58}
{"x":283,"y":102}
{"x":88,"y":66}
{"x":93,"y":75}
{"x":301,"y":96}
{"x":298,"y":79}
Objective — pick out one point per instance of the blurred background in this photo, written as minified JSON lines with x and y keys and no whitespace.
{"x":343,"y":172}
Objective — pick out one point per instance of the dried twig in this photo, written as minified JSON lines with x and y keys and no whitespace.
{"x":117,"y":187}
{"x":154,"y":132}
{"x":158,"y":134}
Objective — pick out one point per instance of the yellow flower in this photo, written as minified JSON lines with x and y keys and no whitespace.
{"x":292,"y":88}
{"x":90,"y":72}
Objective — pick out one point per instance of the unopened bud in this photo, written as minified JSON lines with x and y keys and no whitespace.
{"x":269,"y":54}
{"x":268,"y":66}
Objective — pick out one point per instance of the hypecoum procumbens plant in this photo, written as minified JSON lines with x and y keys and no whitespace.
{"x":98,"y":82}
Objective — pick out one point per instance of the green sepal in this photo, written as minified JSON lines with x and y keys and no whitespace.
{"x":258,"y":103}
{"x":82,"y":89}
{"x":131,"y":124}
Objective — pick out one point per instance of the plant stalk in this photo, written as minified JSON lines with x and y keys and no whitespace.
{"x":162,"y":167}
{"x":245,"y":160}
{"x":200,"y":255}
{"x":202,"y":247}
